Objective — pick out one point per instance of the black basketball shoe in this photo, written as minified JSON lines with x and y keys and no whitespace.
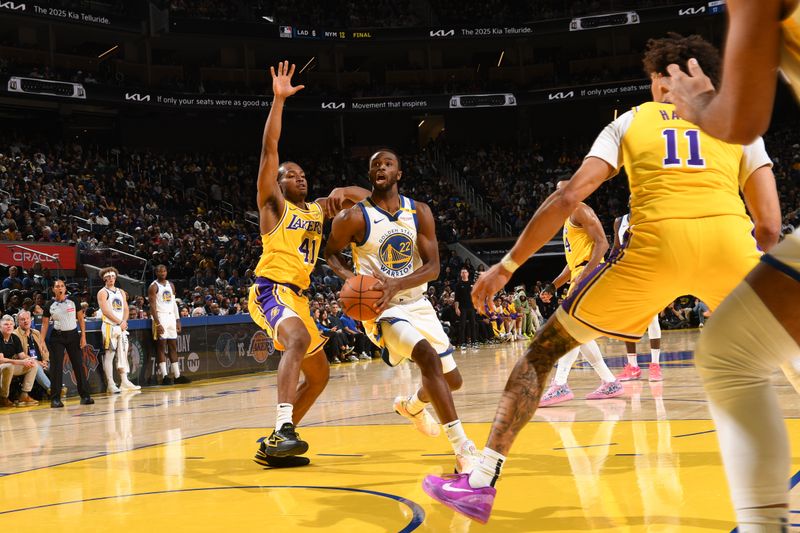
{"x":263,"y":459}
{"x":285,"y":441}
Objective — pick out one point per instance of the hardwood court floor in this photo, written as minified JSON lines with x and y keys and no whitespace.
{"x":179,"y":459}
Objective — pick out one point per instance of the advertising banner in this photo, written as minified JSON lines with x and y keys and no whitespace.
{"x":50,"y":255}
{"x":208,"y":347}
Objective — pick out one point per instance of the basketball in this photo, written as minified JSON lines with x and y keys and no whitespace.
{"x":357,"y":299}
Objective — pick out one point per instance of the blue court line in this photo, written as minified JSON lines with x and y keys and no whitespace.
{"x":341,"y":454}
{"x":103,"y":454}
{"x":693,"y":434}
{"x":418,"y":514}
{"x":587,"y":446}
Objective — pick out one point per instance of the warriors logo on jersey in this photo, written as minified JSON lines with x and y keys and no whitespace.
{"x":116,"y":304}
{"x":390,"y":245}
{"x":396,"y":253}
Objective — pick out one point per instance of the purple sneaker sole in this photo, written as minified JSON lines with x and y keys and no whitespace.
{"x":455,"y":492}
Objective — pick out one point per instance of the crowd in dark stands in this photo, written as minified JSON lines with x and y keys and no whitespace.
{"x":505,"y":176}
{"x":185,"y":210}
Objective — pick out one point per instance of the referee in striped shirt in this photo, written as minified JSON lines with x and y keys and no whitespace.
{"x":66,"y":314}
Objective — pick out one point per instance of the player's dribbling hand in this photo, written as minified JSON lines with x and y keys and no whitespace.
{"x":282,"y":81}
{"x":389,"y":286}
{"x":689,"y":92}
{"x":488,"y":284}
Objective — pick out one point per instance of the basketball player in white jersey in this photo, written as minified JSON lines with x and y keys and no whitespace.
{"x":166,"y":325}
{"x":632,"y":371}
{"x":113,"y":305}
{"x":393,"y":238}
{"x":757,"y":328}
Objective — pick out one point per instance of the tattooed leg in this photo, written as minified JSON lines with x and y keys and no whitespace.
{"x":526,"y":383}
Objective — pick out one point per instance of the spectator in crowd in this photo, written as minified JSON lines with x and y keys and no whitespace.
{"x":355,"y":333}
{"x":546,"y":302}
{"x":12,"y":281}
{"x":702,"y":312}
{"x":334,"y":324}
{"x":332,"y":348}
{"x":14,"y":362}
{"x":34,"y":346}
{"x":529,"y":321}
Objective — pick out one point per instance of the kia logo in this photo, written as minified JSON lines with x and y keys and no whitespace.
{"x":691,"y":11}
{"x":442,"y":33}
{"x":12,"y":6}
{"x":136,"y":97}
{"x":561,"y":95}
{"x":332,"y":105}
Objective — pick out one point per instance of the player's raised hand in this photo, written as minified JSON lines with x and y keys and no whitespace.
{"x":488,"y":284}
{"x":282,"y":81}
{"x":689,"y":92}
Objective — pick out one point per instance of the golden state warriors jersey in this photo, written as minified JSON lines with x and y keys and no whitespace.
{"x":290,"y":250}
{"x":116,"y":302}
{"x":790,"y":51}
{"x":578,"y":245}
{"x":390,"y":245}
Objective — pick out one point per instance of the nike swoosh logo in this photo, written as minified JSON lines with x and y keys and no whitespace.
{"x":450,"y":488}
{"x":376,"y":221}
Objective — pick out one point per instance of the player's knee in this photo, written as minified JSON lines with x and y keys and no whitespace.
{"x":454,"y":380}
{"x":426,"y":358}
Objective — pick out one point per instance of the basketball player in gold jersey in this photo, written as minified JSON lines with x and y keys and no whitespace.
{"x":291,"y":234}
{"x":585,"y":247}
{"x":757,"y":328}
{"x":684,"y":202}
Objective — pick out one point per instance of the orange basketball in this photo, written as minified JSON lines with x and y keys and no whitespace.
{"x":356,"y":298}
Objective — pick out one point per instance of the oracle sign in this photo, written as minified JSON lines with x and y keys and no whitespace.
{"x":25,"y":254}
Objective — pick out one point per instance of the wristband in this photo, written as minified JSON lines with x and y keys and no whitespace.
{"x":508,"y":263}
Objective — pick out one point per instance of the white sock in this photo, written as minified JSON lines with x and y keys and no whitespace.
{"x":455,"y":434}
{"x":176,"y":370}
{"x":763,"y":520}
{"x":162,"y":367}
{"x":283,"y":415}
{"x":108,"y":366}
{"x":565,"y":365}
{"x":487,"y":471}
{"x":591,"y":351}
{"x":632,"y":360}
{"x":123,"y":376}
{"x":415,"y":405}
{"x":655,"y":353}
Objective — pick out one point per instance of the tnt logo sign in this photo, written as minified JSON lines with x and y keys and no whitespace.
{"x":193,"y":362}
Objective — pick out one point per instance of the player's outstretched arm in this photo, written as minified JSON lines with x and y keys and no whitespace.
{"x":342,"y":198}
{"x":547,"y":220}
{"x":741,"y":110}
{"x":428,"y":247}
{"x":348,"y":226}
{"x":268,"y":190}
